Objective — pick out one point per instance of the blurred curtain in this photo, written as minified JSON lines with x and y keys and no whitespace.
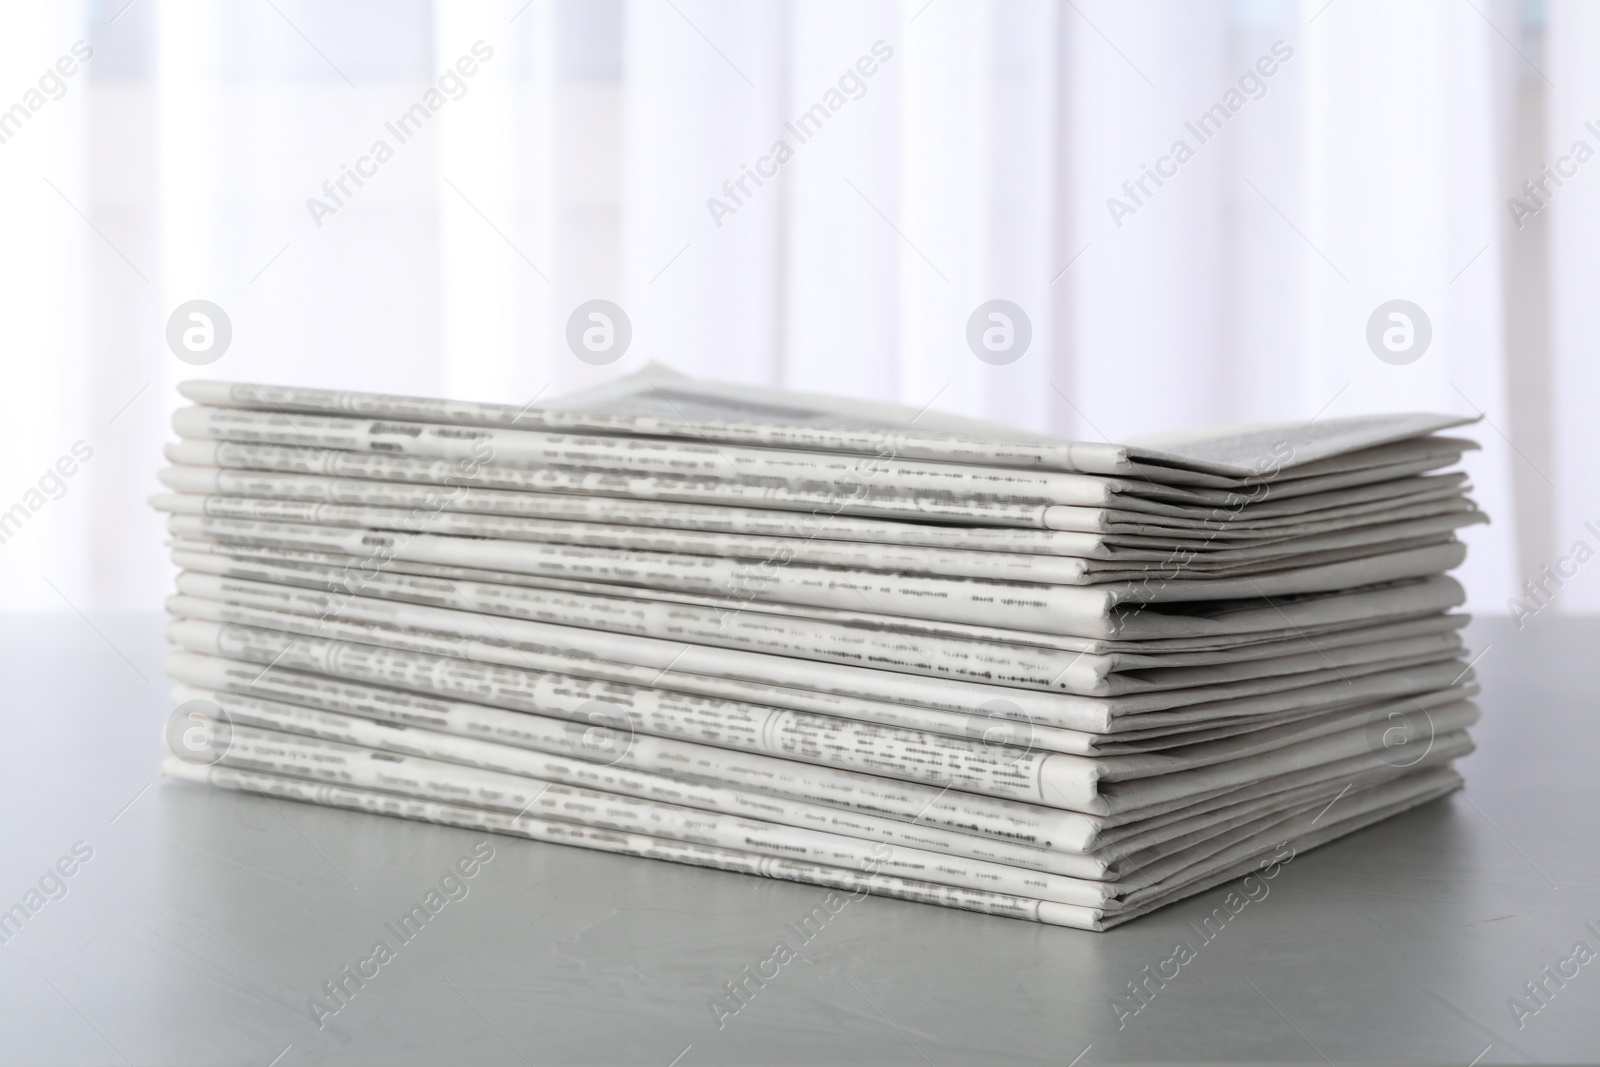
{"x":935,"y":155}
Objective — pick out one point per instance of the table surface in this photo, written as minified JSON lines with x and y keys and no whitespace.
{"x":204,"y":922}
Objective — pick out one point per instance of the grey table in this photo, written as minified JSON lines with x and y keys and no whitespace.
{"x":203,"y":923}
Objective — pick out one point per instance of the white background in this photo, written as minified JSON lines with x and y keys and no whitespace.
{"x":976,"y":164}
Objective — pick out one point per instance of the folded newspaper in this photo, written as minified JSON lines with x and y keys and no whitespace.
{"x":878,"y":649}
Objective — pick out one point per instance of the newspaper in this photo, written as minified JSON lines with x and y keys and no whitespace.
{"x":1421,"y":497}
{"x":640,"y":845}
{"x":884,"y":475}
{"x":1421,"y":789}
{"x":937,"y":818}
{"x":959,"y":563}
{"x":301,"y":756}
{"x":550,"y":762}
{"x":1151,"y":629}
{"x":1082,"y":674}
{"x":969,"y":659}
{"x":1137,"y":795}
{"x":973,"y":764}
{"x":1135,"y":834}
{"x":422,"y":502}
{"x":862,"y":492}
{"x":1125,"y":740}
{"x":284,"y":765}
{"x":819,"y":501}
{"x":968,"y":813}
{"x":685,"y":813}
{"x":725,"y":413}
{"x":945,"y":661}
{"x":1084,"y":611}
{"x":701,"y":794}
{"x":1303,"y":833}
{"x":1263,"y":452}
{"x":954,"y":708}
{"x":1001,"y":566}
{"x":276,"y":697}
{"x":1000,"y":820}
{"x":419,"y":495}
{"x":1352,"y":748}
{"x":302,"y":610}
{"x":973,"y":761}
{"x":877,"y":482}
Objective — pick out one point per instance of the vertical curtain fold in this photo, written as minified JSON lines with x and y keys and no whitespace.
{"x":1197,"y":208}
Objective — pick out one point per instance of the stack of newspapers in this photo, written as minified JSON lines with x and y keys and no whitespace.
{"x":871,"y":648}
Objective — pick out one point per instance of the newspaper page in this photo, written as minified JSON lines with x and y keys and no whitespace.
{"x":988,"y":828}
{"x":977,"y":765}
{"x":870,"y":482}
{"x":821,"y":503}
{"x":1436,"y":496}
{"x":298,"y":755}
{"x":1150,"y":629}
{"x":285,"y":758}
{"x":1078,"y":610}
{"x":702,"y":792}
{"x":967,"y":661}
{"x":656,"y":403}
{"x":867,"y":643}
{"x":248,"y":694}
{"x":571,"y":643}
{"x":957,"y":563}
{"x":903,"y":699}
{"x":639,"y":845}
{"x":308,"y":757}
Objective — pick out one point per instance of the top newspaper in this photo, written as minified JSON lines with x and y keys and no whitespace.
{"x":658,"y":402}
